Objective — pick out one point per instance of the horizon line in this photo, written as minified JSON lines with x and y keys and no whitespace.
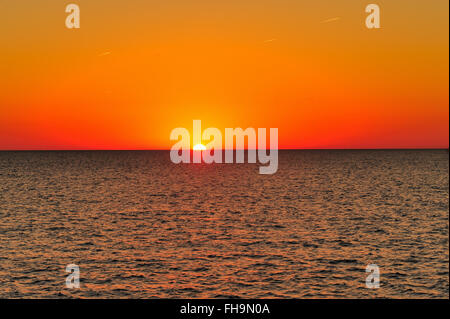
{"x":279,"y":149}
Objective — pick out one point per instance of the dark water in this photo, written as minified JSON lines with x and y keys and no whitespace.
{"x":139,"y":226}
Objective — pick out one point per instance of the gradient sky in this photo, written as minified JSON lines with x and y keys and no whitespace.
{"x":136,"y":69}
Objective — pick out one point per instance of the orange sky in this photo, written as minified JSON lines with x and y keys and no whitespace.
{"x":137,"y":69}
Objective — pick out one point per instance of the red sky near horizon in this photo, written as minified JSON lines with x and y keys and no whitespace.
{"x":137,"y":69}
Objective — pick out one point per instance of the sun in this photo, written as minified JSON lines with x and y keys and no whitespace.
{"x":199,"y":147}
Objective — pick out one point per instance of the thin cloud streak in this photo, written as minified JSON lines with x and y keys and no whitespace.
{"x":104,"y":53}
{"x":331,"y":20}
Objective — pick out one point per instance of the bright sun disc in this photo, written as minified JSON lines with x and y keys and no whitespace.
{"x":199,"y":147}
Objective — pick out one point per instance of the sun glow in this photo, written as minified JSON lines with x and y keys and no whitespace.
{"x":199,"y":147}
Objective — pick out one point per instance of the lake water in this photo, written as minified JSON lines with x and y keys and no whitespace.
{"x":139,"y":226}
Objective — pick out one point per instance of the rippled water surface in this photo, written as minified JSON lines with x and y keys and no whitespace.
{"x":139,"y":226}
